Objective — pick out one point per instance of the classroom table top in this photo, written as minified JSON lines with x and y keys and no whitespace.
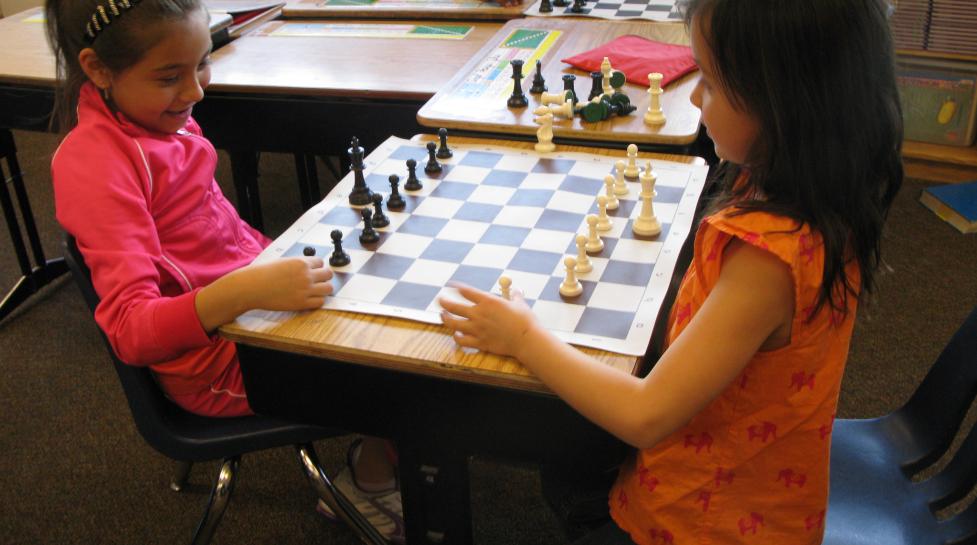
{"x":348,"y":58}
{"x":404,"y":9}
{"x":404,"y":345}
{"x":451,"y":107}
{"x":27,"y":58}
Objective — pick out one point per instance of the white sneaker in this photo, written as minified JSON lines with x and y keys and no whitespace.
{"x":383,"y":510}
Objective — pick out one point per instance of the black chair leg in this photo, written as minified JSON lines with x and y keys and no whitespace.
{"x":180,"y":478}
{"x":219,"y":496}
{"x":335,"y":499}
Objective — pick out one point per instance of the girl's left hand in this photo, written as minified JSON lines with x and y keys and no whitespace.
{"x":490,"y":323}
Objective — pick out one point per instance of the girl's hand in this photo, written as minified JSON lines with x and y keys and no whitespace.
{"x":490,"y":323}
{"x":297,"y":283}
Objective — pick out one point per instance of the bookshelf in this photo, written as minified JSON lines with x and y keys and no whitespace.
{"x":933,"y":161}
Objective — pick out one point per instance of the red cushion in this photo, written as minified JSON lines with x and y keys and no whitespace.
{"x":637,"y":57}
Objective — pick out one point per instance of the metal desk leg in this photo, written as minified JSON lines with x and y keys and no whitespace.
{"x":33,"y":277}
{"x":244,"y":170}
{"x":437,"y":499}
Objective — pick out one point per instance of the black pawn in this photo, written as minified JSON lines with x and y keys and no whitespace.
{"x":308,"y":251}
{"x":360,"y":194}
{"x":545,"y":6}
{"x":432,"y":166}
{"x":596,"y":85}
{"x":413,"y":184}
{"x":443,"y":151}
{"x":339,"y":258}
{"x":395,"y":202}
{"x":379,"y":218}
{"x":517,"y":99}
{"x":561,"y":3}
{"x":369,"y":234}
{"x":539,"y":84}
{"x":578,"y":6}
{"x":568,"y":80}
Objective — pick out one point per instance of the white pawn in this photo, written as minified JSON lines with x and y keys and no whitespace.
{"x":594,"y":243}
{"x":570,"y":287}
{"x":654,"y":115}
{"x":505,"y":283}
{"x":603,"y":222}
{"x":583,"y":260}
{"x":620,"y":188}
{"x":545,"y":133}
{"x":631,"y":171}
{"x":612,"y":201}
{"x":646,"y":224}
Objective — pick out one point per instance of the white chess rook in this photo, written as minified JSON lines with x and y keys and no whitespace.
{"x":646,"y":224}
{"x":583,"y":260}
{"x":654,"y":115}
{"x":552,"y":98}
{"x":570,"y":287}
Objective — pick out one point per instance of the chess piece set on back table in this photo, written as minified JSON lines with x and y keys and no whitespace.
{"x":362,"y":195}
{"x":604,"y":100}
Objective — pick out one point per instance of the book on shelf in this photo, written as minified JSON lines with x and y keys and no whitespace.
{"x":245,"y":14}
{"x":955,"y":204}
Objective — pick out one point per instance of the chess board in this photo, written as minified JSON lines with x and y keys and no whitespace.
{"x":654,"y":10}
{"x":496,"y":211}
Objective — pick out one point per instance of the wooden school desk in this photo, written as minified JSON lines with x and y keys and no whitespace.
{"x":303,"y":87}
{"x":26,"y":94}
{"x":403,"y":9}
{"x":408,"y":381}
{"x":490,"y":114}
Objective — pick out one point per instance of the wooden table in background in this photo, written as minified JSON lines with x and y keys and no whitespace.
{"x":404,"y":9}
{"x":682,"y":118}
{"x":410,"y":382}
{"x":306,"y":95}
{"x":26,"y":95}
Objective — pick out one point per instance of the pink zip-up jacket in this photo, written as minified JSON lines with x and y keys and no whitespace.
{"x":154,"y":228}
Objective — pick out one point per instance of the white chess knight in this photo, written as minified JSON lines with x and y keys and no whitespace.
{"x":646,"y":224}
{"x":545,"y":133}
{"x":654,"y":115}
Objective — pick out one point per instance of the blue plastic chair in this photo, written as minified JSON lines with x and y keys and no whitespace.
{"x":873,"y":499}
{"x":189,"y":438}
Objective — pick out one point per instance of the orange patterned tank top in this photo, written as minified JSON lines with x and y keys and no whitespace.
{"x":752,"y":467}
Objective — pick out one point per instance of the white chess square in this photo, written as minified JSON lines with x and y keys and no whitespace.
{"x":636,"y":251}
{"x":430,"y":273}
{"x":438,"y":207}
{"x":566,"y":201}
{"x":530,"y":284}
{"x":318,"y":234}
{"x":467,"y":174}
{"x":491,"y":194}
{"x":518,"y":163}
{"x":490,"y":255}
{"x":463,"y":231}
{"x":363,"y":287}
{"x":612,"y":296}
{"x":404,"y":245}
{"x":558,"y":316}
{"x":545,"y":240}
{"x":671,"y":178}
{"x":519,"y":216}
{"x":542,"y":180}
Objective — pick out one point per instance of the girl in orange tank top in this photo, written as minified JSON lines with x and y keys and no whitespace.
{"x":732,"y":426}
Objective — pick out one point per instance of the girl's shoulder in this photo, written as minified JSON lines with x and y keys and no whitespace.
{"x":794,"y":242}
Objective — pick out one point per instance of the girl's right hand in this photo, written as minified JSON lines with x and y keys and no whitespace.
{"x":296,"y":283}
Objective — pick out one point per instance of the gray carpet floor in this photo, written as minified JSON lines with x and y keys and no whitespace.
{"x":73,"y":469}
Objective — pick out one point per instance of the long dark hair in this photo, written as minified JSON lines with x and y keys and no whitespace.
{"x":819,"y":78}
{"x":119,"y":45}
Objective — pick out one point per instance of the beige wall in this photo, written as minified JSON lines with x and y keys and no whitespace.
{"x":10,"y":7}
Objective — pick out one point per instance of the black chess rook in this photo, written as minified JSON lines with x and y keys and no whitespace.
{"x":339,"y":258}
{"x":568,"y":80}
{"x":517,"y":99}
{"x":596,"y":85}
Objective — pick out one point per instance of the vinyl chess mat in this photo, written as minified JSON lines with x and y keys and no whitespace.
{"x":495,"y":211}
{"x":654,"y":10}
